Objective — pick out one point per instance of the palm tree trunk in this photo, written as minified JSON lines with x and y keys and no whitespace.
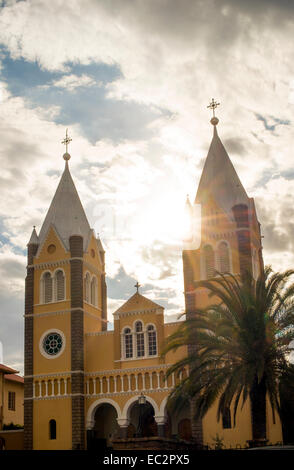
{"x":258,"y":412}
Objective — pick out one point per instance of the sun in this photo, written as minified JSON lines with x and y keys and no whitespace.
{"x":167,"y":220}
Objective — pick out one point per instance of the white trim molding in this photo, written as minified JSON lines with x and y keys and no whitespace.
{"x":93,"y":407}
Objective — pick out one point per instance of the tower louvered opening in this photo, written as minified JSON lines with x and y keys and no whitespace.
{"x":59,"y":285}
{"x":209,"y":263}
{"x":224,"y":257}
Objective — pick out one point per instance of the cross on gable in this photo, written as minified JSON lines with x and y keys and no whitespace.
{"x":137,"y":285}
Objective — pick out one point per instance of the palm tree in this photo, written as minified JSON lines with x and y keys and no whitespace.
{"x":238,"y":346}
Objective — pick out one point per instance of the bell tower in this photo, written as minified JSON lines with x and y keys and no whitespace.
{"x":230,"y":231}
{"x":65,"y":298}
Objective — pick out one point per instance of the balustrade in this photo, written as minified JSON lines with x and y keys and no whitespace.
{"x":131,"y":381}
{"x":109,"y":383}
{"x":46,"y":388}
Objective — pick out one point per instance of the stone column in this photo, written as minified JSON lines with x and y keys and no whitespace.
{"x":123,"y":426}
{"x":90,"y":434}
{"x":160,"y":421}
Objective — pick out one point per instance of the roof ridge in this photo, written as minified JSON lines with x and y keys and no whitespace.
{"x":123,"y":308}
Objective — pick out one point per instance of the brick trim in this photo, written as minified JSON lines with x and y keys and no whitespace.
{"x":77,"y":342}
{"x":28,"y":350}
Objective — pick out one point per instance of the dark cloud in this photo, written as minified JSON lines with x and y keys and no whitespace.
{"x":235,"y":146}
{"x":163,"y":256}
{"x":12,"y":269}
{"x":122,"y":286}
{"x":277,"y":228}
{"x":217,"y":23}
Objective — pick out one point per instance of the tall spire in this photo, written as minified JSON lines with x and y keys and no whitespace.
{"x":66,"y":212}
{"x":34,"y":240}
{"x":219,"y":179}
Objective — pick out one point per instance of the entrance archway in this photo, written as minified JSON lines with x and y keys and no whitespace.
{"x":142,"y":422}
{"x":177,"y":423}
{"x":104,"y":426}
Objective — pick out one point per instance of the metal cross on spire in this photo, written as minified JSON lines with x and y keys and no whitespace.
{"x":66,"y":141}
{"x":137,"y":285}
{"x":213,"y":105}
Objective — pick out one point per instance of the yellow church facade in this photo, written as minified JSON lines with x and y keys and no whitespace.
{"x":83,"y":382}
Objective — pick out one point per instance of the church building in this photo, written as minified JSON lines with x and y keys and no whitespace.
{"x":84,"y":383}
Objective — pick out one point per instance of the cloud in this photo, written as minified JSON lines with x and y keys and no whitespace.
{"x":132,"y":81}
{"x":72,"y":82}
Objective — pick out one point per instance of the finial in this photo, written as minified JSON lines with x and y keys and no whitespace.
{"x":213,"y":105}
{"x":137,"y":285}
{"x":66,"y":141}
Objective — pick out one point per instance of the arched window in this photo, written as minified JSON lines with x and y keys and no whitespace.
{"x":209,"y":266}
{"x":59,"y":285}
{"x":140,"y":339}
{"x":52,"y":429}
{"x":223,"y":257}
{"x":151,"y":335}
{"x":227,"y":418}
{"x":128,"y":343}
{"x":94,"y":291}
{"x":47,"y":288}
{"x":87,"y":288}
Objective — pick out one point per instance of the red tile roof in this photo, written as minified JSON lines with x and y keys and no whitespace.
{"x":7,"y":370}
{"x":14,"y":378}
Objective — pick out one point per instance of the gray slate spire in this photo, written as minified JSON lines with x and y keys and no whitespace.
{"x":34,"y":240}
{"x":219,"y":179}
{"x":66,"y":213}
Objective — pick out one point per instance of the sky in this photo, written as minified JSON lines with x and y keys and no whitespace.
{"x":131,"y":80}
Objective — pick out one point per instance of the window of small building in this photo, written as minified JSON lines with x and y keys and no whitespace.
{"x":11,"y":401}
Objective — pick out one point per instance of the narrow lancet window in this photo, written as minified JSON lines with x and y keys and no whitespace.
{"x":94,"y":291}
{"x":59,"y":285}
{"x":140,"y":339}
{"x":224,"y":257}
{"x":47,"y":288}
{"x":128,"y":343}
{"x":87,"y":288}
{"x":209,"y":265}
{"x":151,"y":332}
